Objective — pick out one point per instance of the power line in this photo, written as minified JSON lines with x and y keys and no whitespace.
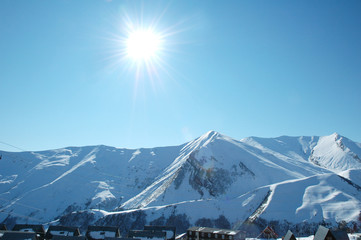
{"x":21,"y":204}
{"x":13,"y":146}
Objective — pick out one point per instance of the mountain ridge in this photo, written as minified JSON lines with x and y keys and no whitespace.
{"x":213,"y":172}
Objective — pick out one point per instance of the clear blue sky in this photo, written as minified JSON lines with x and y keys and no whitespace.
{"x":242,"y":68}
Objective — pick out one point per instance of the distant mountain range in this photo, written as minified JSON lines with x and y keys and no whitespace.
{"x":213,"y":181}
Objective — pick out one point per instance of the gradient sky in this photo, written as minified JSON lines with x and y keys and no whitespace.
{"x":242,"y":68}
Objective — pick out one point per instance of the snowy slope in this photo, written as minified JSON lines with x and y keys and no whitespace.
{"x":44,"y":185}
{"x":353,"y":175}
{"x":312,"y":199}
{"x":334,"y":152}
{"x":215,"y":166}
{"x":211,"y":176}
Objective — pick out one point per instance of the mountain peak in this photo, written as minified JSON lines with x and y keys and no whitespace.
{"x":203,"y":140}
{"x":213,"y":172}
{"x":333,"y":138}
{"x":335,"y":135}
{"x":211,"y":134}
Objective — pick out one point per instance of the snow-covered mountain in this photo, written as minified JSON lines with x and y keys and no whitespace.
{"x":213,"y":180}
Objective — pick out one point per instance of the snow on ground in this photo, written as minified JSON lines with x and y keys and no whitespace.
{"x":314,"y":199}
{"x":207,"y":177}
{"x":95,"y":174}
{"x":331,"y":152}
{"x":353,"y":175}
{"x":352,"y":236}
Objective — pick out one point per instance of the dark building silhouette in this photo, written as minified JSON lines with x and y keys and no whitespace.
{"x":57,"y":237}
{"x":11,"y":235}
{"x":205,"y":233}
{"x":170,"y":231}
{"x":146,"y":234}
{"x":289,"y":236}
{"x":38,"y":229}
{"x":268,"y":233}
{"x":324,"y":233}
{"x":3,"y":227}
{"x":102,"y":232}
{"x":62,"y":231}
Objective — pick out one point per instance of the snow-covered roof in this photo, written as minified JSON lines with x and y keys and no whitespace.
{"x":61,"y":231}
{"x":213,"y":230}
{"x":322,"y":233}
{"x":180,"y":236}
{"x":101,"y":232}
{"x":289,"y":236}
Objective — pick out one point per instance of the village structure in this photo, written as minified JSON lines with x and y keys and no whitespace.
{"x":37,"y":232}
{"x":204,"y":233}
{"x":324,"y":233}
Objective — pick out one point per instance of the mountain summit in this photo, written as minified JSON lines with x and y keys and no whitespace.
{"x":212,"y":180}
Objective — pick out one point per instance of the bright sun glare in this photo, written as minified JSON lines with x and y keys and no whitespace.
{"x":143,"y":44}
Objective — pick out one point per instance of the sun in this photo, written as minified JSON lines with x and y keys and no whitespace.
{"x":143,"y":47}
{"x":143,"y":44}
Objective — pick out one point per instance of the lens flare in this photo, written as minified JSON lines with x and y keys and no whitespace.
{"x":143,"y":44}
{"x":142,"y":48}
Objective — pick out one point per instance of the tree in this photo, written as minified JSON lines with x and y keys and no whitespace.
{"x":342,"y":225}
{"x":222,"y":222}
{"x":204,"y":222}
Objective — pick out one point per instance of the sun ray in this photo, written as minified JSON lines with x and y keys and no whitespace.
{"x":142,"y":49}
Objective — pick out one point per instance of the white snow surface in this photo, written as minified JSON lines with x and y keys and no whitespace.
{"x":337,"y":154}
{"x":286,"y":178}
{"x":351,"y":236}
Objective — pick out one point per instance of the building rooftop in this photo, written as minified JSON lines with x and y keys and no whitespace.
{"x":214,"y":230}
